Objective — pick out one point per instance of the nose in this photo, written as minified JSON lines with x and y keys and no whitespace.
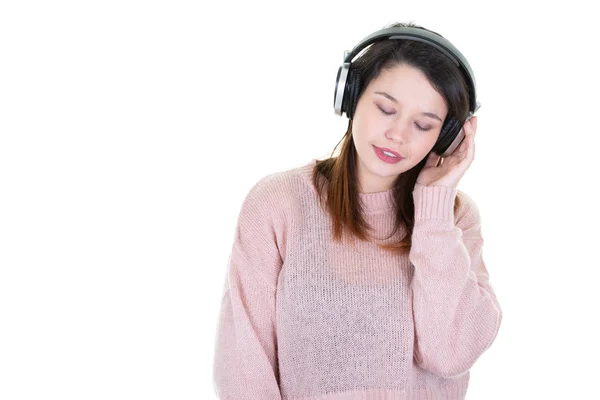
{"x":399,"y":132}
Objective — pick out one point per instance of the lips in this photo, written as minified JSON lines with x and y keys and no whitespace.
{"x":391,"y":151}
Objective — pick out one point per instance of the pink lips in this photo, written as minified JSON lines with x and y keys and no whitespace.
{"x":391,"y":151}
{"x":384,"y":157}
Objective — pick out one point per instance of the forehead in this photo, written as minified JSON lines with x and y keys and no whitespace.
{"x":407,"y":84}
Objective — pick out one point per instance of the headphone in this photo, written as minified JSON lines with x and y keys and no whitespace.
{"x":348,"y":83}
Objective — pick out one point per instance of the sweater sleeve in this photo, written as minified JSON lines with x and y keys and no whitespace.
{"x":455,"y":311}
{"x":245,"y":360}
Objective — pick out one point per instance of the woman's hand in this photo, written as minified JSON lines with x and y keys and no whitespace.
{"x":453,"y":167}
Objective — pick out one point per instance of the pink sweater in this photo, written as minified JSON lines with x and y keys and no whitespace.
{"x":305,"y":318}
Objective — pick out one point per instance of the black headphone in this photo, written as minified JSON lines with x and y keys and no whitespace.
{"x":348,"y":83}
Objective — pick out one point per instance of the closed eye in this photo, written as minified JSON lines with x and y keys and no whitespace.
{"x":390,"y":113}
{"x":385,"y":112}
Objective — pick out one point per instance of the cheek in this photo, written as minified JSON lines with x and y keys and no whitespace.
{"x":361,"y":130}
{"x":430,"y":138}
{"x":423,"y":145}
{"x":369,"y":120}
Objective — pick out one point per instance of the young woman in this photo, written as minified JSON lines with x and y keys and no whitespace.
{"x":361,"y":276}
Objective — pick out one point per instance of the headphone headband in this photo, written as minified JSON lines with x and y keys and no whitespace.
{"x":409,"y":33}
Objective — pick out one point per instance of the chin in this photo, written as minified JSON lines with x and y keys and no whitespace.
{"x":385,"y":170}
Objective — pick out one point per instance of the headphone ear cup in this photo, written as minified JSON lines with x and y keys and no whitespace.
{"x":337,"y":83}
{"x":351,"y":94}
{"x":448,"y":133}
{"x":346,"y":106}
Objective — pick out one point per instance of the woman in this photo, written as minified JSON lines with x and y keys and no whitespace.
{"x":361,"y":276}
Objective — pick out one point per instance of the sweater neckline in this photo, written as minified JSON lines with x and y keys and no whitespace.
{"x":377,"y":201}
{"x":372,"y":203}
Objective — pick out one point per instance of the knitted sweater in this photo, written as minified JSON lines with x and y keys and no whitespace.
{"x":303,"y":317}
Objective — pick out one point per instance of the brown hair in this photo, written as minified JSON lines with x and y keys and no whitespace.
{"x":342,"y":200}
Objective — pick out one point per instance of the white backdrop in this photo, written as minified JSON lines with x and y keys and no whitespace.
{"x":131,"y":132}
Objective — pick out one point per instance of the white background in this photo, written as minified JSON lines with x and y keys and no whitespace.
{"x":132,"y":131}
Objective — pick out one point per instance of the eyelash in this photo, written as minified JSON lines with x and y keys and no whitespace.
{"x":387,"y":113}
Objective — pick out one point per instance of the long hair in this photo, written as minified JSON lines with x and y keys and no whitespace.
{"x":340,"y":173}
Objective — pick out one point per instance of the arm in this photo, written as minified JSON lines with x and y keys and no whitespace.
{"x":455,"y":310}
{"x":245,"y":360}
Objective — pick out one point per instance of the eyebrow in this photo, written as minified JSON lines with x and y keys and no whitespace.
{"x":428,"y":114}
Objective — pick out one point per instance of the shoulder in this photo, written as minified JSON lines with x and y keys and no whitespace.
{"x":262,"y":198}
{"x":272,"y":194}
{"x":280,"y":189}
